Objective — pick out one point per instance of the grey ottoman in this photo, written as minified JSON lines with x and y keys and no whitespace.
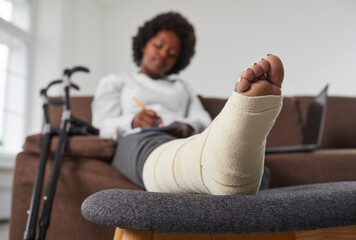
{"x":289,"y":209}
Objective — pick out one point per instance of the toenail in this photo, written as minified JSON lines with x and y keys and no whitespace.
{"x":268,"y":54}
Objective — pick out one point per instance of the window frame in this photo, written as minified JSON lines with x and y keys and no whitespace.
{"x":7,"y":159}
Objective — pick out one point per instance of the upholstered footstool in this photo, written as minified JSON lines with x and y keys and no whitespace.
{"x":280,"y":213}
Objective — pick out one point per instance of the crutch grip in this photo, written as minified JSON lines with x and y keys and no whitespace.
{"x":68,"y":72}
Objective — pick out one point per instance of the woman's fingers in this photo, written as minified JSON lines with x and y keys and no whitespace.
{"x":146,"y":118}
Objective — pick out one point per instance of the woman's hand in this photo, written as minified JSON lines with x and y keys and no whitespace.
{"x":146,"y":118}
{"x":183,"y":131}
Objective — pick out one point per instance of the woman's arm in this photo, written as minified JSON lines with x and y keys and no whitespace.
{"x":107,"y":108}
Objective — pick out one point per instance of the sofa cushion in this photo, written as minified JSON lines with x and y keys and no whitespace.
{"x":340,"y":124}
{"x":213,"y":105}
{"x":76,"y":146}
{"x":340,"y":121}
{"x":323,"y":165}
{"x":287,"y":129}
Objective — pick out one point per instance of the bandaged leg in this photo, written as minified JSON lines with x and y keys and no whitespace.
{"x":227,"y":158}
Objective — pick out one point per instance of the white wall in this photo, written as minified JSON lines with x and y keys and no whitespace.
{"x":66,"y":33}
{"x":315,"y":39}
{"x":47,"y":41}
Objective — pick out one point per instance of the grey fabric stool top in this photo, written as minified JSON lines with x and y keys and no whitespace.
{"x":289,"y":209}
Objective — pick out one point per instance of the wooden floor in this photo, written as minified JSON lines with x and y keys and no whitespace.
{"x":339,"y":233}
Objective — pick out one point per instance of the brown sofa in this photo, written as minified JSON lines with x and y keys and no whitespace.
{"x":85,"y":168}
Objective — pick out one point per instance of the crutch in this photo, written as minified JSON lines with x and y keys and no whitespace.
{"x":48,"y":132}
{"x":80,"y":128}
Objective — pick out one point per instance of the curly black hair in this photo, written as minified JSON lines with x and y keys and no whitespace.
{"x":171,"y":21}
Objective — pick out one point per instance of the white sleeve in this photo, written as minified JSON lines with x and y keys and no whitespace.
{"x":197,"y":117}
{"x":107,"y":108}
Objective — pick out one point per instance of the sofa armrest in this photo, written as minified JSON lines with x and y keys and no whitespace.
{"x":76,"y":146}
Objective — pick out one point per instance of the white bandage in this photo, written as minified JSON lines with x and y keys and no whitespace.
{"x":227,"y":158}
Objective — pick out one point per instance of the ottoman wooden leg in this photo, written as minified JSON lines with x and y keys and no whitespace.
{"x":127,"y":234}
{"x":348,"y":232}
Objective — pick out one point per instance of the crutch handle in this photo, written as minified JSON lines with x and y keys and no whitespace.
{"x":68,"y":72}
{"x":44,"y":91}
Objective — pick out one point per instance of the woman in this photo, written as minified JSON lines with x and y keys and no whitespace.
{"x":227,"y":158}
{"x":163,"y":46}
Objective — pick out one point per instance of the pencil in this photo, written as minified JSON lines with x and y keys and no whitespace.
{"x":139,"y":103}
{"x":144,"y":107}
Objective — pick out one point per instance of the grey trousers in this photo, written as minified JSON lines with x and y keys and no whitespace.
{"x":133,"y":150}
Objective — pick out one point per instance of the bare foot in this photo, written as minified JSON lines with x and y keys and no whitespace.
{"x":263,"y":78}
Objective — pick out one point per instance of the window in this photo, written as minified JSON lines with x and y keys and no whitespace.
{"x":15,"y":43}
{"x":16,"y":12}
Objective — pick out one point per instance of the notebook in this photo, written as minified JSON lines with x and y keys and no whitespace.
{"x":313,"y":127}
{"x":150,"y":129}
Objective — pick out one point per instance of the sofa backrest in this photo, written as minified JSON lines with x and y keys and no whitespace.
{"x":339,"y":129}
{"x":340,"y":121}
{"x":288,"y":127}
{"x":81,"y":108}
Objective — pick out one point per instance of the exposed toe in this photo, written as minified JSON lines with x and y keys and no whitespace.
{"x":275,"y":74}
{"x":257,"y":70}
{"x":263,"y":78}
{"x":264,"y":64}
{"x":242,"y":86}
{"x":248,"y":74}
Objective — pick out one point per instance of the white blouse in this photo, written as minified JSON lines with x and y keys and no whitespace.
{"x":113,"y":108}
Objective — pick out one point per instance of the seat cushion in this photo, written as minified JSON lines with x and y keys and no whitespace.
{"x":76,"y":146}
{"x":319,"y":166}
{"x":298,"y":208}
